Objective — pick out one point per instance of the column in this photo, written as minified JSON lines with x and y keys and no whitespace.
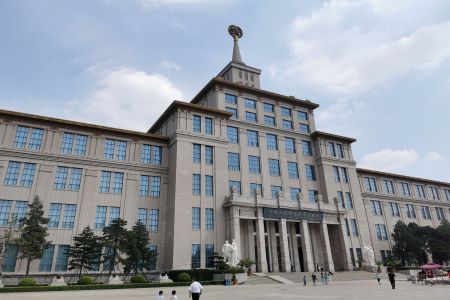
{"x":306,"y":247}
{"x":250,"y":240}
{"x":295,"y":260}
{"x":261,"y":242}
{"x":327,"y":249}
{"x":284,"y":246}
{"x":236,"y":229}
{"x":273,"y":246}
{"x":345,"y":244}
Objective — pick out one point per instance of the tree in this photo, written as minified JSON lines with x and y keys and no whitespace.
{"x":85,"y":251}
{"x":114,"y":240}
{"x":439,"y":243}
{"x":8,"y":239}
{"x":401,"y":237}
{"x":33,"y":233}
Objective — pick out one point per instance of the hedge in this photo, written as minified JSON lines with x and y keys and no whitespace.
{"x":46,"y":288}
{"x":202,"y":274}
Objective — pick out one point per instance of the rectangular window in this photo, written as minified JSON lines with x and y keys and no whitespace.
{"x":20,"y":212}
{"x":434,"y":193}
{"x":157,"y":151}
{"x":269,"y":120}
{"x":108,"y":152}
{"x":249,"y":103}
{"x":420,"y":191}
{"x":196,"y":218}
{"x":254,"y":187}
{"x":234,"y":184}
{"x":142,"y":216}
{"x":100,"y":217}
{"x":115,"y":147}
{"x":254,"y":165}
{"x":12,"y":173}
{"x":348,"y":200}
{"x":67,"y":143}
{"x":312,"y":196}
{"x":105,"y":181}
{"x":310,"y":172}
{"x":274,"y":167}
{"x":209,"y":126}
{"x":271,"y":140}
{"x":440,"y":213}
{"x":347,"y":227}
{"x":195,"y":256}
{"x":249,"y":116}
{"x":233,"y":111}
{"x":233,"y":161}
{"x":196,"y":184}
{"x":209,"y":156}
{"x":394,"y":209}
{"x":376,"y":208}
{"x":410,"y":211}
{"x":352,"y":257}
{"x":381,"y":232}
{"x":21,"y":138}
{"x":61,"y":178}
{"x":426,"y":214}
{"x":270,"y":108}
{"x":370,"y":184}
{"x":27,"y":174}
{"x":303,"y":128}
{"x":34,"y":141}
{"x":404,"y":187}
{"x":231,"y":99}
{"x":252,"y":138}
{"x":233,"y":135}
{"x":388,"y":186}
{"x":209,"y":189}
{"x":197,"y":123}
{"x":5,"y":208}
{"x":10,"y":258}
{"x":355,"y":231}
{"x":340,"y":197}
{"x":146,"y":154}
{"x":275,"y":191}
{"x":344,"y":174}
{"x":80,"y":145}
{"x":302,"y":115}
{"x":75,"y":179}
{"x":209,"y":256}
{"x":285,"y":111}
{"x":336,"y":174}
{"x":153,"y":219}
{"x":144,"y":186}
{"x":447,"y":194}
{"x":287,"y":124}
{"x":117,"y":183}
{"x":292,"y":170}
{"x":307,"y":149}
{"x":340,"y":150}
{"x":209,"y":218}
{"x":289,"y":144}
{"x":114,"y":213}
{"x":62,"y":258}
{"x":69,"y":216}
{"x":156,"y":186}
{"x":153,"y":249}
{"x":196,"y":153}
{"x":121,"y":150}
{"x":45,"y":265}
{"x":332,"y":149}
{"x":294,"y":193}
{"x":54,"y":214}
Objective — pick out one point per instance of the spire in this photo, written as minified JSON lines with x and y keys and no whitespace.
{"x":236,"y":33}
{"x":236,"y":53}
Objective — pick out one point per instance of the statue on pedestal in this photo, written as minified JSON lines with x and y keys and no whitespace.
{"x":368,"y":255}
{"x":230,"y":253}
{"x":58,"y":281}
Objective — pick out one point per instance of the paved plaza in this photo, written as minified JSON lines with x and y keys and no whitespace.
{"x":351,"y":290}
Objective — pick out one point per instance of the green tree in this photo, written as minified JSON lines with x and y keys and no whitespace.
{"x":32,"y":240}
{"x":85,"y":251}
{"x":439,"y":243}
{"x":114,"y":240}
{"x":8,"y":238}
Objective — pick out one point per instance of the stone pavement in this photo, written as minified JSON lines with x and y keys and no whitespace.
{"x":346,"y":290}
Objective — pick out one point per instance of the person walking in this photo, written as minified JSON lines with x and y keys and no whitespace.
{"x":304,"y":280}
{"x":160,"y":296}
{"x":325,"y":278}
{"x":195,"y":289}
{"x":314,"y":279}
{"x":378,"y":279}
{"x":391,"y":276}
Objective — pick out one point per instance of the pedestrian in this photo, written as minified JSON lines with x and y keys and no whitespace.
{"x":160,"y":296}
{"x":195,"y":289}
{"x":391,"y":276}
{"x":304,"y":280}
{"x":325,"y":278}
{"x":322,"y":278}
{"x":314,"y":279}
{"x":378,"y":279}
{"x":174,"y":295}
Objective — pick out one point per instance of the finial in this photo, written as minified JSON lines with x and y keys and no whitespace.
{"x":236,"y":33}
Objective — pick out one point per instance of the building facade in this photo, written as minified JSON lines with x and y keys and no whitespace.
{"x":237,"y":162}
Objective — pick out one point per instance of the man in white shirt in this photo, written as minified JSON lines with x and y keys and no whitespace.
{"x":195,"y":289}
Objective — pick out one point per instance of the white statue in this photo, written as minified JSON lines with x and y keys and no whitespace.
{"x":368,"y":255}
{"x":114,"y":279}
{"x":58,"y":281}
{"x":230,"y":253}
{"x":234,"y":253}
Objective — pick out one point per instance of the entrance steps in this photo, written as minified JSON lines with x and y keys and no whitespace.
{"x":297,"y":277}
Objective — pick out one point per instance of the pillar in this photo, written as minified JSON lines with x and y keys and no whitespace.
{"x":261,"y":260}
{"x":284,"y":246}
{"x":327,"y":249}
{"x":273,"y":246}
{"x":295,"y":260}
{"x":306,"y":247}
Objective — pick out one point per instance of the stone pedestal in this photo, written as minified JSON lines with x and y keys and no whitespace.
{"x":114,"y":280}
{"x":372,"y":269}
{"x":164,"y":279}
{"x":58,"y":281}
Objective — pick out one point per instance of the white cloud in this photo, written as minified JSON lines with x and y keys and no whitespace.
{"x":351,"y":46}
{"x":158,"y":3}
{"x":168,"y":65}
{"x":389,"y":159}
{"x":124,"y":98}
{"x":434,"y":156}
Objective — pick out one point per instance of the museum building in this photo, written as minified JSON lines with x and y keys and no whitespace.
{"x":236,"y":162}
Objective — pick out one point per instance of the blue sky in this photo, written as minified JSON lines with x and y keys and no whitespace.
{"x":379,"y":69}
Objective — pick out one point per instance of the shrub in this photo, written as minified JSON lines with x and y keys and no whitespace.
{"x":138,"y":279}
{"x":85,"y":280}
{"x":200,"y":274}
{"x":27,"y":282}
{"x":184,"y":277}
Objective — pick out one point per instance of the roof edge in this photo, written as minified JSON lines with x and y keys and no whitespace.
{"x":406,"y":177}
{"x":333,"y":136}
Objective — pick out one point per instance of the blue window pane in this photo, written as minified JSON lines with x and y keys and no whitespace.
{"x":233,"y":135}
{"x":269,"y":121}
{"x":293,"y":170}
{"x":340,"y":150}
{"x":20,"y":140}
{"x":336,"y":174}
{"x":45,"y":264}
{"x":249,"y":103}
{"x":254,"y":165}
{"x":274,"y":167}
{"x":100,"y":217}
{"x":156,"y":186}
{"x":118,"y":183}
{"x":233,"y":161}
{"x":12,"y":173}
{"x":355,"y":231}
{"x":114,"y":213}
{"x":5,"y":208}
{"x":209,"y":190}
{"x":289,"y":144}
{"x":287,"y":124}
{"x":28,"y":174}
{"x":69,"y":215}
{"x":233,"y":111}
{"x":271,"y":140}
{"x":209,"y":126}
{"x":209,"y":155}
{"x":196,"y":218}
{"x":304,"y":128}
{"x":75,"y":179}
{"x":310,"y":172}
{"x":307,"y":149}
{"x":153,"y":250}
{"x":67,"y":143}
{"x":234,"y":184}
{"x":348,"y":200}
{"x":195,"y":257}
{"x":80,"y":145}
{"x":121,"y":150}
{"x":312,"y":196}
{"x":196,"y":184}
{"x":254,"y":188}
{"x":274,"y":190}
{"x":209,"y":255}
{"x":153,"y":219}
{"x":269,"y":107}
{"x":157,"y":151}
{"x":340,"y":197}
{"x":286,"y":111}
{"x":209,"y":222}
{"x":142,"y":216}
{"x":10,"y":258}
{"x":197,"y":124}
{"x":108,"y":152}
{"x":249,"y":116}
{"x":36,"y":139}
{"x":252,"y":138}
{"x":54,"y":214}
{"x":196,"y":153}
{"x":20,"y":212}
{"x":231,"y":99}
{"x":105,"y":181}
{"x":62,"y":258}
{"x":302,"y":115}
{"x":60,"y":178}
{"x":146,"y":154}
{"x":294,"y":193}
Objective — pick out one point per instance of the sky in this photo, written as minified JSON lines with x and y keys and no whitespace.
{"x":380,"y":70}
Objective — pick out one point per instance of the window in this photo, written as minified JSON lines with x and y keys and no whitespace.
{"x":440,"y":213}
{"x":62,"y":258}
{"x":352,"y":256}
{"x":153,"y":249}
{"x":114,"y":213}
{"x":13,"y":172}
{"x":233,"y":161}
{"x":394,"y":209}
{"x":209,"y":218}
{"x":370,"y":184}
{"x":376,"y":208}
{"x":340,"y":197}
{"x":209,"y":190}
{"x":105,"y":182}
{"x":388,"y":187}
{"x":22,"y":138}
{"x":68,"y":147}
{"x":146,"y":156}
{"x":274,"y":167}
{"x":355,"y":231}
{"x":142,"y":216}
{"x":196,"y":218}
{"x":119,"y":148}
{"x":426,"y":212}
{"x":20,"y":212}
{"x":292,"y":170}
{"x":434,"y":193}
{"x":249,"y":103}
{"x":447,"y":194}
{"x":294,"y":193}
{"x":269,"y":120}
{"x":289,"y":145}
{"x":235,"y":184}
{"x":332,"y":149}
{"x":271,"y":140}
{"x":275,"y":191}
{"x":270,"y":108}
{"x":153,"y":219}
{"x":196,"y":153}
{"x":209,"y":256}
{"x":10,"y":258}
{"x":254,"y":187}
{"x":344,"y":174}
{"x":410,"y":211}
{"x":209,"y":156}
{"x":252,"y":138}
{"x":381,"y":232}
{"x":195,"y":256}
{"x":348,"y":200}
{"x":45,"y":265}
{"x":339,"y":150}
{"x":312,"y":196}
{"x":69,"y":216}
{"x":233,"y":111}
{"x":310,"y":172}
{"x":5,"y":208}
{"x":303,"y":128}
{"x":286,"y":111}
{"x":233,"y":135}
{"x":404,"y":187}
{"x":249,"y":116}
{"x":420,"y":191}
{"x":231,"y":99}
{"x":197,"y":123}
{"x":337,"y":176}
{"x":287,"y":124}
{"x":54,"y":214}
{"x":61,"y":178}
{"x":307,"y":149}
{"x":302,"y":115}
{"x":347,"y":228}
{"x":100,"y":217}
{"x":254,"y":165}
{"x":209,"y":126}
{"x":196,"y":184}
